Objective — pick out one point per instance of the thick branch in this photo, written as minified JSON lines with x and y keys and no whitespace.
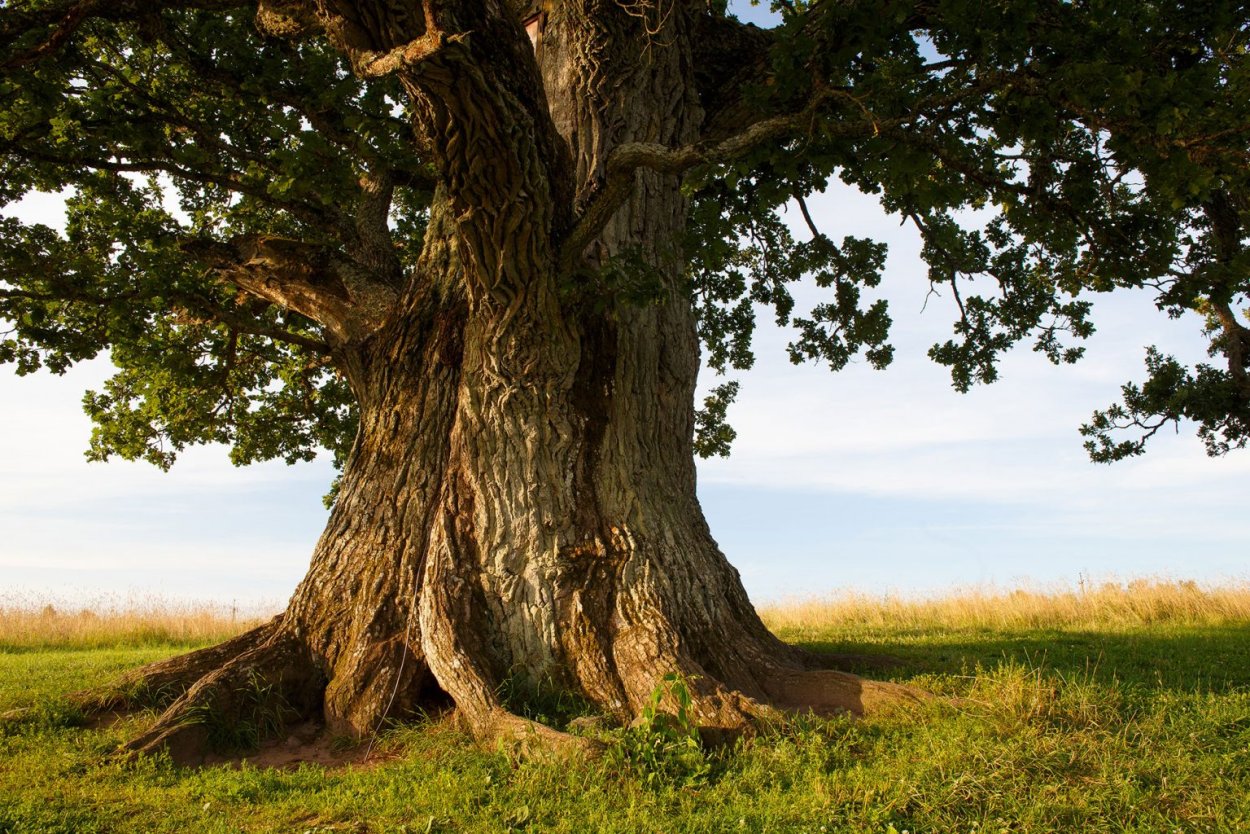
{"x":627,"y":159}
{"x":314,"y":281}
{"x":1236,"y":340}
{"x":375,"y":65}
{"x":1226,"y":232}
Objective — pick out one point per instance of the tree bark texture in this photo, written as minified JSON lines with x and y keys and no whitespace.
{"x":520,"y":504}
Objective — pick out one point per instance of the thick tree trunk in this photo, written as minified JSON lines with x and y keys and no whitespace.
{"x":520,"y":503}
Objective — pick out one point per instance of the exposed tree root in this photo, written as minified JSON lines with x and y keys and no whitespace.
{"x":240,"y":692}
{"x":525,"y":738}
{"x":830,"y":692}
{"x":251,"y":695}
{"x":268,"y":682}
{"x":724,"y":713}
{"x":157,"y":684}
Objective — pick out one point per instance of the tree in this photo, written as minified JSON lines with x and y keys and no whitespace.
{"x":474,"y":249}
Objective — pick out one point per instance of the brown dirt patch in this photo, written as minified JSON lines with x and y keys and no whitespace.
{"x":306,"y":743}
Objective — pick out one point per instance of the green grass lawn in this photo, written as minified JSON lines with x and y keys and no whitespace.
{"x":1142,"y":728}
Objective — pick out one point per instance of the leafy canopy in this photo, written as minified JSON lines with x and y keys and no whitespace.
{"x":1044,"y":151}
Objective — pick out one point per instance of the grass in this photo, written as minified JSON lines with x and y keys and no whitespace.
{"x":35,"y":623}
{"x":1142,"y":602}
{"x":1120,"y":709}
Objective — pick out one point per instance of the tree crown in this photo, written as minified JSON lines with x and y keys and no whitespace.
{"x":249,"y":199}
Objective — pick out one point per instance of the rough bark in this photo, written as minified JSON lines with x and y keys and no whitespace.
{"x":520,"y":502}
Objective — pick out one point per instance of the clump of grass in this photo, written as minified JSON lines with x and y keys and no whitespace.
{"x":33,"y":623}
{"x":543,"y":701}
{"x":262,"y":712}
{"x":1111,"y":604}
{"x":1015,"y":694}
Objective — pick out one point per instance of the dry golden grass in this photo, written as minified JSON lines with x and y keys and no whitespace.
{"x":38,"y":623}
{"x":1111,"y":604}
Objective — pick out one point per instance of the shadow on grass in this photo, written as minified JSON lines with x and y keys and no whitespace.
{"x":1180,"y":659}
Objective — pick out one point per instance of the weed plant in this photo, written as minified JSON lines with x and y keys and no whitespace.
{"x":663,"y":747}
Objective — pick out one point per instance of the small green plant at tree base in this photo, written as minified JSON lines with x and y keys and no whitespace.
{"x":664,"y":747}
{"x":263,"y":714}
{"x":142,"y":694}
{"x":543,"y":701}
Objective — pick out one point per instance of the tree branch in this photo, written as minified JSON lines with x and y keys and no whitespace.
{"x":1226,"y":231}
{"x":628,"y":158}
{"x":817,"y":234}
{"x":313,"y":280}
{"x":252,"y":327}
{"x":376,"y":65}
{"x":55,"y":23}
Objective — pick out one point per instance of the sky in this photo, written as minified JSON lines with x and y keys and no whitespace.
{"x":872,"y":481}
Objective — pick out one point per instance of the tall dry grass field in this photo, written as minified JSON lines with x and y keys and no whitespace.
{"x":35,"y":622}
{"x":39,"y":623}
{"x":1106,"y":605}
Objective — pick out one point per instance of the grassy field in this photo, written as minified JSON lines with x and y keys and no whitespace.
{"x":1118,"y":708}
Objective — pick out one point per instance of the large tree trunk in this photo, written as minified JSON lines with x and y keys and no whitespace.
{"x":520,"y":502}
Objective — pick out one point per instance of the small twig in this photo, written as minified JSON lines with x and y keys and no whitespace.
{"x":807,"y":217}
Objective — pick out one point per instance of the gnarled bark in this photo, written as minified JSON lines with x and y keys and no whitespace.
{"x":520,"y":502}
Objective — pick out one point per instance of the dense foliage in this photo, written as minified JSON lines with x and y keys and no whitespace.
{"x":1044,"y":150}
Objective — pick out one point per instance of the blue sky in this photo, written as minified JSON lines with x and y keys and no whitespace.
{"x":874,"y":481}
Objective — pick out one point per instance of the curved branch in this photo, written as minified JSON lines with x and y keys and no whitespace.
{"x":313,"y":280}
{"x":628,"y":158}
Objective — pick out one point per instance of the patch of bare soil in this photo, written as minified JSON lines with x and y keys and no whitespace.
{"x":306,"y":743}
